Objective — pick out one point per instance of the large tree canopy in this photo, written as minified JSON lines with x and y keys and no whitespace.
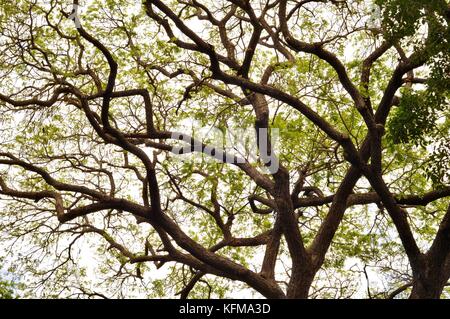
{"x":191,"y":148}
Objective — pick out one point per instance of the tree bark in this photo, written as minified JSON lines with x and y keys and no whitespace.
{"x":300,"y":283}
{"x":433,"y":277}
{"x":429,"y":284}
{"x":426,"y":289}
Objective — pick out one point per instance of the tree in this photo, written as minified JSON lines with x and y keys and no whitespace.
{"x":98,"y":103}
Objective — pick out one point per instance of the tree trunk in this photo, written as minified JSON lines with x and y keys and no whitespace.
{"x":300,"y":284}
{"x":430,"y":282}
{"x":426,"y":289}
